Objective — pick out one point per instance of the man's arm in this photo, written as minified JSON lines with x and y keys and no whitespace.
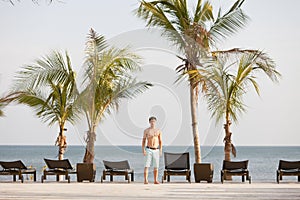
{"x":143,"y":143}
{"x":160,"y":142}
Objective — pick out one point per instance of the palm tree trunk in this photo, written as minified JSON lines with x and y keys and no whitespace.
{"x":61,"y":143}
{"x":227,"y":140}
{"x":194,"y":104}
{"x":90,"y":146}
{"x":228,"y":145}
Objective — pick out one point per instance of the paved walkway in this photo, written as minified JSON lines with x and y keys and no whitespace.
{"x":233,"y":191}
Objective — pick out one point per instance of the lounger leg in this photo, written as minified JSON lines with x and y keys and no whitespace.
{"x":132,"y":176}
{"x":14,"y":178}
{"x":22,"y":178}
{"x":168,"y":177}
{"x":222,"y":177}
{"x":298,"y":178}
{"x":103,"y":175}
{"x":57,"y":178}
{"x":34,"y":176}
{"x":243,"y":178}
{"x":111,"y":178}
{"x":127,"y":177}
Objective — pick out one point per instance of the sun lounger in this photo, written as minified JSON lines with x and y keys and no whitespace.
{"x":16,"y":168}
{"x":288,"y":168}
{"x":237,"y":168}
{"x":58,"y":168}
{"x":177,"y":164}
{"x":117,"y":168}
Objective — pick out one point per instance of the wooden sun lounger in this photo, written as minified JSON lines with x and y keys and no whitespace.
{"x":16,"y":168}
{"x":288,"y":168}
{"x":117,"y":168}
{"x":58,"y":168}
{"x":177,"y":164}
{"x":237,"y":168}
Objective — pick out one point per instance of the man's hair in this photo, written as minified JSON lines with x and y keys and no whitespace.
{"x":150,"y":118}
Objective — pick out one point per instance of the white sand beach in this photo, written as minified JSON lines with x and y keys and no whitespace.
{"x":64,"y":190}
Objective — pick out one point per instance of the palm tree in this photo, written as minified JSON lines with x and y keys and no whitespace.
{"x":107,"y":80}
{"x":49,"y":88}
{"x":194,"y":32}
{"x":232,"y":79}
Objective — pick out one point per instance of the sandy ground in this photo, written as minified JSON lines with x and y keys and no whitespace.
{"x":63,"y":190}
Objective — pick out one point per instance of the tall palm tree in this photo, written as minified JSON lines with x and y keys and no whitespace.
{"x":107,"y":80}
{"x":49,"y":88}
{"x":194,"y":32}
{"x":232,"y":74}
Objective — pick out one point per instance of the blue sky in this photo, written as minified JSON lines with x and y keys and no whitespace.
{"x":29,"y":31}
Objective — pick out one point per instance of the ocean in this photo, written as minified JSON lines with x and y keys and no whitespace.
{"x":263,"y":161}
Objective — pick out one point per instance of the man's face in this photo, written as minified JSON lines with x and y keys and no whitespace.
{"x":152,"y":122}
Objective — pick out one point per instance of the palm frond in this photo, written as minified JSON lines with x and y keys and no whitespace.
{"x":50,"y":89}
{"x":230,"y":86}
{"x":167,"y":17}
{"x":52,"y":67}
{"x":203,"y":12}
{"x":229,"y":23}
{"x":107,"y":78}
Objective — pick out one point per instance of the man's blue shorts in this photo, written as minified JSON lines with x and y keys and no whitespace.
{"x":151,"y":158}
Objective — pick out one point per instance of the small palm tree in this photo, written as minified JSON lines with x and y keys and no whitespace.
{"x":232,"y":80}
{"x":194,"y":32}
{"x":49,"y":88}
{"x":107,"y":80}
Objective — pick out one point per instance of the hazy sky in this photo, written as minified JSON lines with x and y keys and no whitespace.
{"x":29,"y":31}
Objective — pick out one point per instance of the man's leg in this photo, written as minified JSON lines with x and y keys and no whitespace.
{"x":146,"y":175}
{"x":155,"y":173}
{"x":156,"y":166}
{"x":147,"y":161}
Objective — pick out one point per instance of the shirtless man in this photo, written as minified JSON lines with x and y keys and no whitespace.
{"x":153,"y":149}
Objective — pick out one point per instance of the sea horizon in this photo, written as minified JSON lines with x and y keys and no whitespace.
{"x":76,"y":145}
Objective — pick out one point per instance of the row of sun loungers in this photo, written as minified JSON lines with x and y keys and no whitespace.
{"x":176,"y":164}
